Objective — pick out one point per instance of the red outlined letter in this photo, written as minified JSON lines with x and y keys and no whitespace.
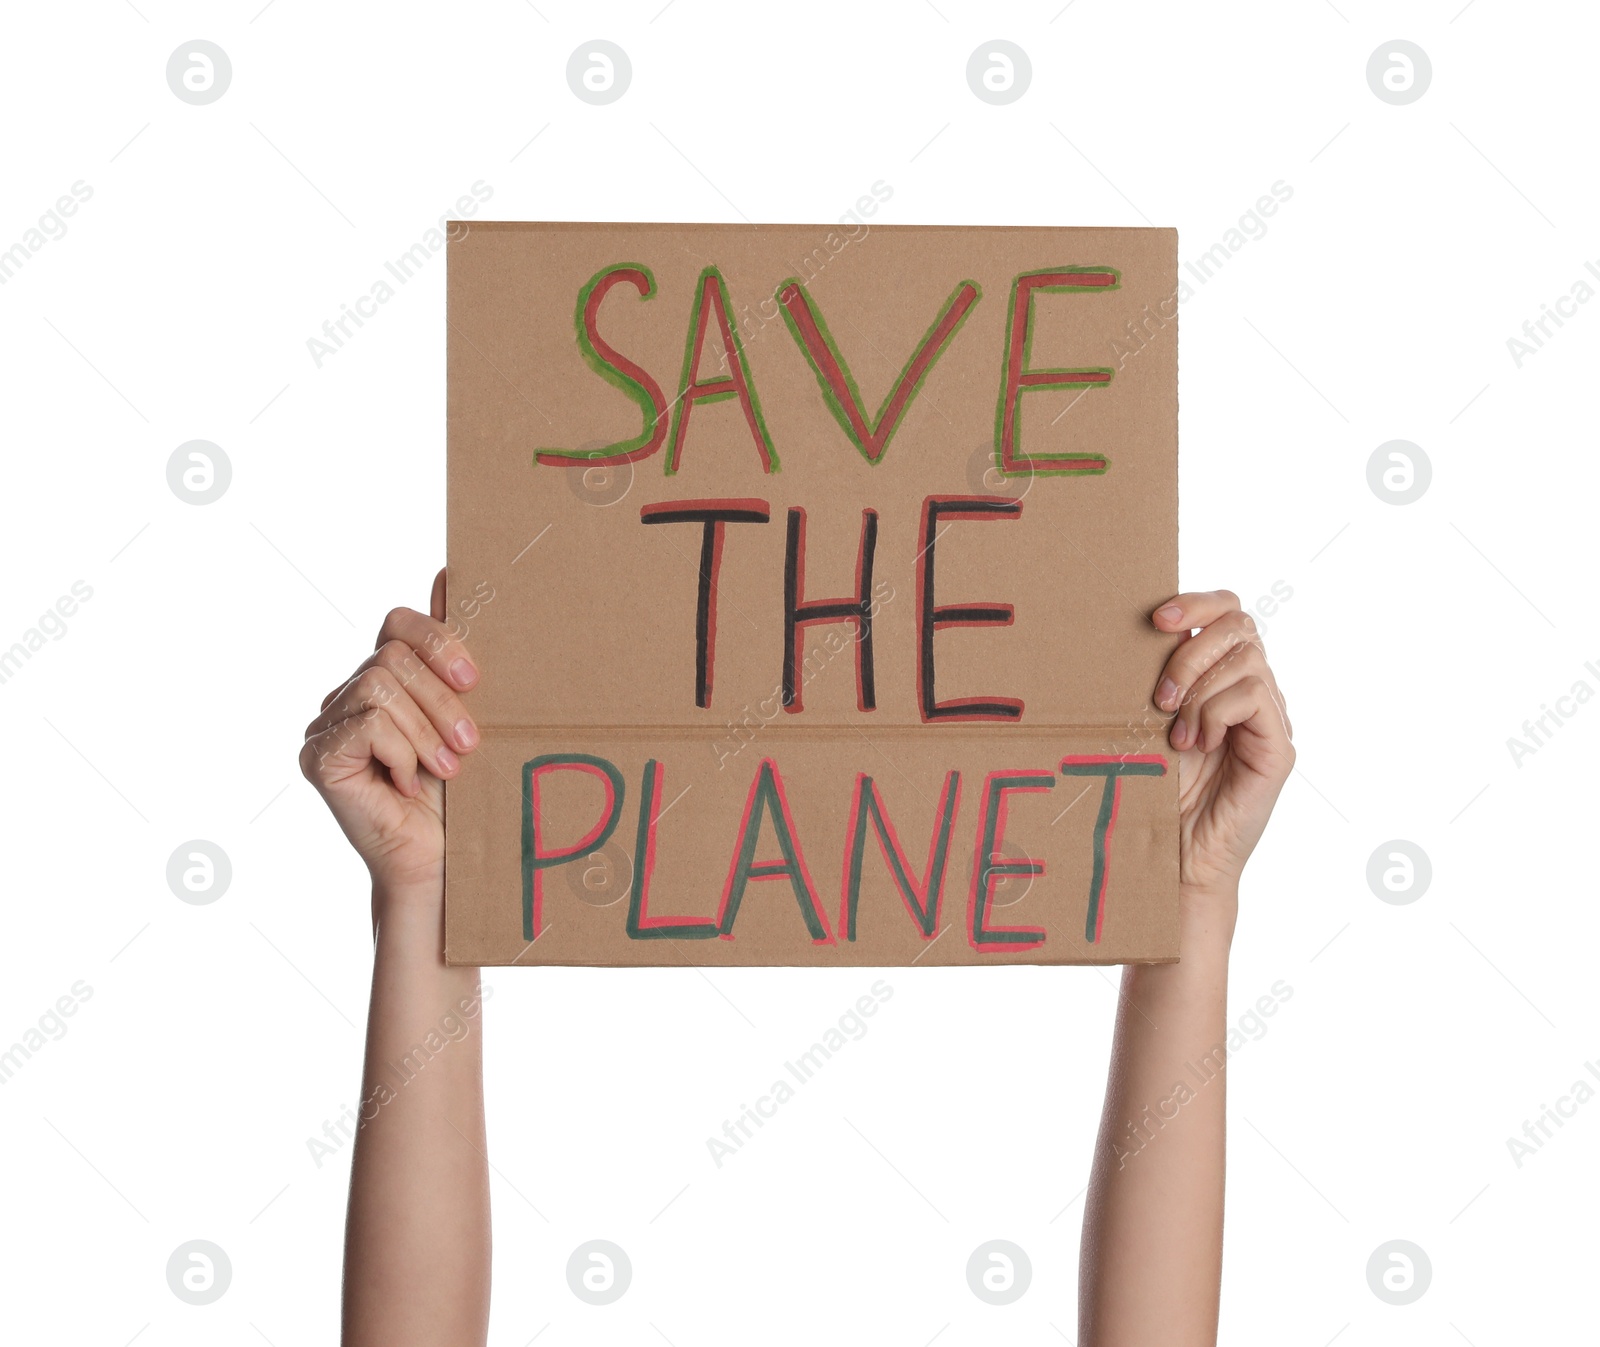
{"x":931,"y":616}
{"x":839,"y":389}
{"x":767,"y":798}
{"x":1017,"y":377}
{"x":714,"y":516}
{"x":617,"y":369}
{"x":922,"y":901}
{"x":711,"y":297}
{"x":641,"y":925}
{"x":535,"y":859}
{"x":987,"y":865}
{"x":1113,"y":768}
{"x":798,"y":614}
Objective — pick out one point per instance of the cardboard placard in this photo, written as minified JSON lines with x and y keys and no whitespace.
{"x":809,"y":573}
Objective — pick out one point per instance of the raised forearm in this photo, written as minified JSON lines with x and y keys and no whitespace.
{"x":1152,"y":1239}
{"x":417,"y":1237}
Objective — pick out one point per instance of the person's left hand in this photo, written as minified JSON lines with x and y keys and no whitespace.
{"x":1232,"y":733}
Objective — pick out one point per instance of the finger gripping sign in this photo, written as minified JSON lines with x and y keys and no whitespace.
{"x":809,"y":687}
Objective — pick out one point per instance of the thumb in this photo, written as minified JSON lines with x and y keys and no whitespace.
{"x":436,"y":604}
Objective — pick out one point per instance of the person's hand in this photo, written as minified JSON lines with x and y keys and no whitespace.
{"x":1232,"y":733}
{"x":386,"y":740}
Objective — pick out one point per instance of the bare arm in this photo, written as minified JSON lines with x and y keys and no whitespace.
{"x":1151,"y":1263}
{"x":417,"y":1233}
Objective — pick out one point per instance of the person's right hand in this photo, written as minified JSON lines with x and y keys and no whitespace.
{"x":1234,"y":740}
{"x":384,"y":743}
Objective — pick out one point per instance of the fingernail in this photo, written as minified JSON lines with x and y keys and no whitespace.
{"x":1180,"y":733}
{"x":1171,"y":613}
{"x":463,"y":674}
{"x":1167,"y":694}
{"x":466,"y":733}
{"x":447,"y":760}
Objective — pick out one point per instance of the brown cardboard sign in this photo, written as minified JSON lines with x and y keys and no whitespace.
{"x":809,"y":572}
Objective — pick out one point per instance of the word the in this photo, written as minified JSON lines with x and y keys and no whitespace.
{"x":851,"y":1027}
{"x":1538,"y":732}
{"x":1538,"y":1130}
{"x":858,"y":610}
{"x":1537,"y":330}
{"x":50,"y":228}
{"x":51,"y":623}
{"x":337,"y":330}
{"x":52,"y":1025}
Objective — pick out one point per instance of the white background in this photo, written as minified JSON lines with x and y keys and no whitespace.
{"x":1378,"y":305}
